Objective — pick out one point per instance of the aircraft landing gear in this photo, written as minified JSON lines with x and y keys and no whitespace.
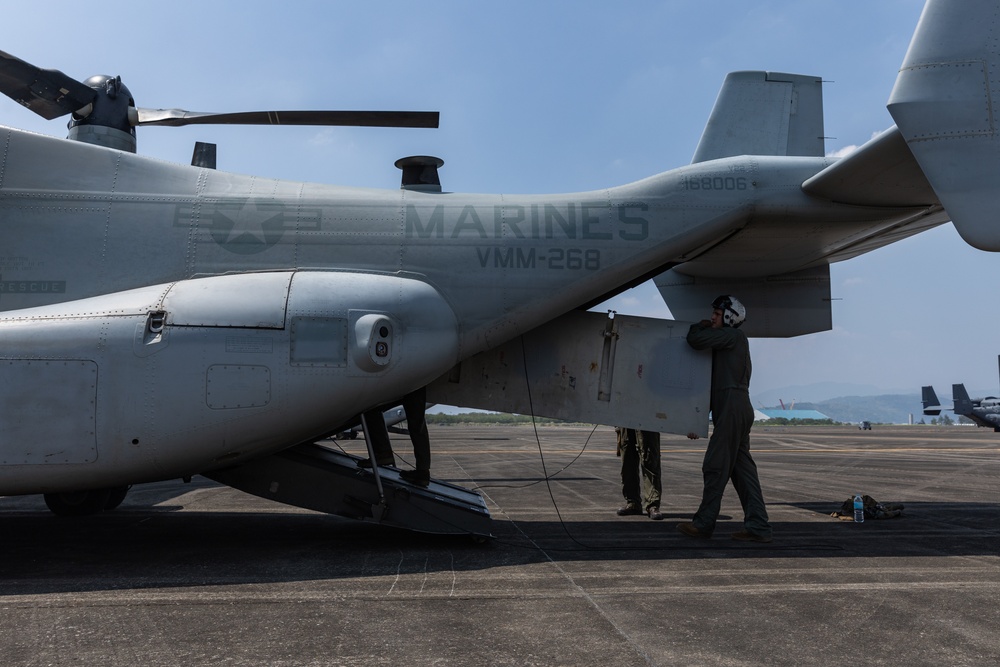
{"x":116,"y":497}
{"x":85,"y":503}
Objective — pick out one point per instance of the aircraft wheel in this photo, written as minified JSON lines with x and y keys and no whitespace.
{"x":116,"y":497}
{"x":78,"y":503}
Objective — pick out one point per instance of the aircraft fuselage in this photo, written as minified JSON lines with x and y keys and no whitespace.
{"x":119,"y":274}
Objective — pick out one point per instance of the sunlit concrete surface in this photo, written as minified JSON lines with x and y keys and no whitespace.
{"x":199,"y":574}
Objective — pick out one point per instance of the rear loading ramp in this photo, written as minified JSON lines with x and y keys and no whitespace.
{"x":318,"y":478}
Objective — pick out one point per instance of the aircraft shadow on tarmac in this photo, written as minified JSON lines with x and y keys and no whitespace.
{"x":144,"y":546}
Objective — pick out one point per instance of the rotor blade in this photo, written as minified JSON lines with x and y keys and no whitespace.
{"x":47,"y":92}
{"x":177,"y":117}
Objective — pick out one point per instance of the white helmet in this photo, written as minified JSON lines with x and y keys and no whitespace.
{"x":733,"y":312}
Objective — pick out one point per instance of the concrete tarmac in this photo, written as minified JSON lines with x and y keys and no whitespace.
{"x":200,"y":574}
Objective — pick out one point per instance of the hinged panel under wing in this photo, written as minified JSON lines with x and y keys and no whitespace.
{"x":586,"y":367}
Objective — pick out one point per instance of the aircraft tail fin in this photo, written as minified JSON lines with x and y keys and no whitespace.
{"x":932,"y":406}
{"x":765,"y":113}
{"x":945,"y":104}
{"x":963,"y":404}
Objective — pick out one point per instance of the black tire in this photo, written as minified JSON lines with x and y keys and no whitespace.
{"x":78,"y":503}
{"x":116,"y":497}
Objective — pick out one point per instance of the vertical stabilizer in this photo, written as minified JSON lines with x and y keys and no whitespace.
{"x":932,"y":406}
{"x":963,"y":404}
{"x":765,"y":113}
{"x":944,"y":103}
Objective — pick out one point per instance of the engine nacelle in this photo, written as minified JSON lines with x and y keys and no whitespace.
{"x":177,"y":379}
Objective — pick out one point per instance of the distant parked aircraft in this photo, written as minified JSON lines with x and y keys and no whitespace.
{"x":983,"y":411}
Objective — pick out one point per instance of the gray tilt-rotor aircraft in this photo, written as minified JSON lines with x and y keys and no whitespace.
{"x":983,"y":412}
{"x":160,"y":320}
{"x":980,"y":411}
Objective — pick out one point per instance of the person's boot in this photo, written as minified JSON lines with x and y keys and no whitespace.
{"x":418,"y":477}
{"x":382,"y":463}
{"x":629,"y":508}
{"x":691,"y":530}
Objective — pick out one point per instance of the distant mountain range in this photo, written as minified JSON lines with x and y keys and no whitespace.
{"x":821,"y":391}
{"x":843,"y":402}
{"x":883,"y":409}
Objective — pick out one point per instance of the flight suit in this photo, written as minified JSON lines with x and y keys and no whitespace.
{"x":378,"y":436}
{"x":414,"y":405}
{"x":640,"y":452}
{"x":728,"y":453}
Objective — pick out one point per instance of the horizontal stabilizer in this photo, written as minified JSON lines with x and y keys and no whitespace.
{"x":765,"y":113}
{"x":779,"y":306}
{"x":944,"y":105}
{"x":883,"y":172}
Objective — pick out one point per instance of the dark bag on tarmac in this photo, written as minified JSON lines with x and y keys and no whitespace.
{"x":873,"y":509}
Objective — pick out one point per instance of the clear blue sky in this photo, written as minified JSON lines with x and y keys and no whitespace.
{"x":544,"y":97}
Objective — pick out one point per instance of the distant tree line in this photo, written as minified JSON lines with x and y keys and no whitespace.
{"x":782,"y":421}
{"x":502,"y":418}
{"x":487,"y":418}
